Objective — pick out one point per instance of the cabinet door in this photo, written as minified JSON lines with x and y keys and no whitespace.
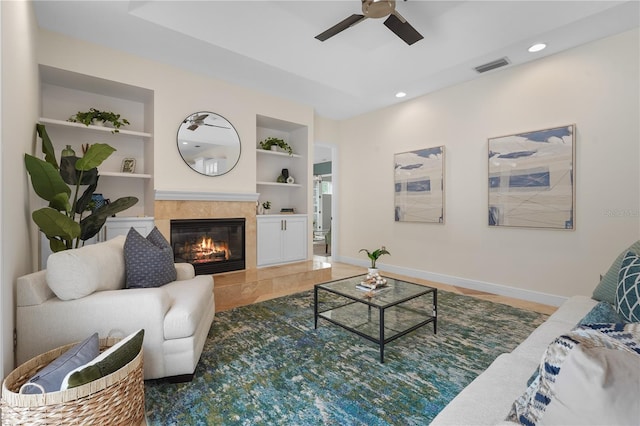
{"x":269,"y":241}
{"x":294,"y":241}
{"x":114,"y":228}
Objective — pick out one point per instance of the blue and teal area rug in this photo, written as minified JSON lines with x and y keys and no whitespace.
{"x":264,"y":364}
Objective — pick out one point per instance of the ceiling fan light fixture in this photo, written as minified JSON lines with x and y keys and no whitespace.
{"x":378,"y":8}
{"x":401,"y":95}
{"x":537,"y":47}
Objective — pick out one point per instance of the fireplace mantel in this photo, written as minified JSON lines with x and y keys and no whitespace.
{"x":178,"y":195}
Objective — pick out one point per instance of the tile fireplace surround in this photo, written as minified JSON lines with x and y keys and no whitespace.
{"x":165,"y":210}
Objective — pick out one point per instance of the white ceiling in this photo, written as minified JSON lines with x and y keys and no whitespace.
{"x":270,"y":46}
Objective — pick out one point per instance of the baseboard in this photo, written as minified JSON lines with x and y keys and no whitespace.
{"x":502,"y":290}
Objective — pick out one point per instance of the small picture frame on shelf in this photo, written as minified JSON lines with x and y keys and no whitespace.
{"x":129,"y":165}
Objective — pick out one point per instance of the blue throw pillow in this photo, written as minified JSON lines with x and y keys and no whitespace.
{"x":108,"y":362}
{"x":602,"y":313}
{"x":628,"y":291}
{"x":148,"y":261}
{"x":606,"y":289}
{"x":51,"y":376}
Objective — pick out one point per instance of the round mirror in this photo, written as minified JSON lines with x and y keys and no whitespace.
{"x":208,"y":143}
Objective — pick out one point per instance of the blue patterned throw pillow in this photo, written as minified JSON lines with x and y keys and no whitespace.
{"x":148,"y":261}
{"x":602,"y":313}
{"x":628,"y":291}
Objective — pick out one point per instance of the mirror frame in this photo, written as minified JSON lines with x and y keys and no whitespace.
{"x":189,"y":121}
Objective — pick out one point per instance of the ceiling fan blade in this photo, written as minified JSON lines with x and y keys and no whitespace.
{"x":402,"y":28}
{"x":340,"y":26}
{"x":215,"y":125}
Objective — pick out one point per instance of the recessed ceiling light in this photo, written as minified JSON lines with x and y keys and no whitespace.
{"x":400,"y":95}
{"x":537,"y":47}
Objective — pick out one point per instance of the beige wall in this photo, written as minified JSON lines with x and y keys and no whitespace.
{"x":19,"y":113}
{"x":594,"y":86}
{"x":178,"y":93}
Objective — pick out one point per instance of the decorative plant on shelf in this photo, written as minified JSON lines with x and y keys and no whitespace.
{"x":63,"y":221}
{"x":94,"y":115}
{"x":269,"y":142}
{"x":266,"y":205}
{"x":374,"y":255}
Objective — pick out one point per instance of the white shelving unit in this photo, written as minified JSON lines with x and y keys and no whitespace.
{"x":269,"y":165}
{"x":283,"y":238}
{"x":90,"y":127}
{"x":82,"y":128}
{"x":64,"y":93}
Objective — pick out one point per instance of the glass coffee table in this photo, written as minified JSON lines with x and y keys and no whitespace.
{"x":379,"y":316}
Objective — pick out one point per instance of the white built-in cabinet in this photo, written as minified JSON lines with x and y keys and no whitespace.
{"x":116,"y":226}
{"x":282,"y":239}
{"x":113,"y":227}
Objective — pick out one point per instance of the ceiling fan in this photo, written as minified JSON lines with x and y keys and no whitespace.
{"x":377,"y":9}
{"x":197,"y":120}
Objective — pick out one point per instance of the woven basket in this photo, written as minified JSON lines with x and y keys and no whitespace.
{"x":116,"y":399}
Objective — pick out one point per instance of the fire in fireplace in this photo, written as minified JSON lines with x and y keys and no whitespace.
{"x":210,"y":245}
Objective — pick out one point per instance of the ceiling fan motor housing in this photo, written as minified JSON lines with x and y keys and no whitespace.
{"x":378,"y":8}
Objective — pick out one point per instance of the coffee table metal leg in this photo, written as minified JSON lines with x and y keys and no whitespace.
{"x":381,"y":335}
{"x":315,"y":307}
{"x":435,"y":310}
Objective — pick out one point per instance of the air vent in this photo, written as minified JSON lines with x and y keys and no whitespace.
{"x":492,"y":65}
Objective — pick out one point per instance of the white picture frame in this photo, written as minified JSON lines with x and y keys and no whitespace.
{"x":128,"y":165}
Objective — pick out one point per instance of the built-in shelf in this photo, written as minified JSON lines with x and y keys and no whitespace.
{"x":291,"y":185}
{"x":277,"y":153}
{"x":102,"y":129}
{"x":126,"y":175}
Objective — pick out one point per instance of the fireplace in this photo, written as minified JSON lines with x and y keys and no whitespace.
{"x":210,"y":245}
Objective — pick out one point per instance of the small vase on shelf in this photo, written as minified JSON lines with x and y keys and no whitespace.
{"x":68,"y":152}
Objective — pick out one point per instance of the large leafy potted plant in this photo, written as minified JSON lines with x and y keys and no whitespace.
{"x":64,"y":221}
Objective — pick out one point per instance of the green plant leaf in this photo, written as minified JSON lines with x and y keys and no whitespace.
{"x":45,"y":178}
{"x":85,"y":199}
{"x":91,"y":224}
{"x":56,"y":245}
{"x":55,"y":224}
{"x":47,"y":146}
{"x":95,"y":155}
{"x":70,"y":174}
{"x":60,"y":202}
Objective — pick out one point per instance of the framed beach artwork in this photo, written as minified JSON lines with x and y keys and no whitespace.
{"x":532,"y":179}
{"x":419,"y":185}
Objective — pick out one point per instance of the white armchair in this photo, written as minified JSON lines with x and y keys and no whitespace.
{"x":176,"y":317}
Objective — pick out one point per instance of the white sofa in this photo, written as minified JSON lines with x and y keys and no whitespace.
{"x":176,"y":317}
{"x":487,"y":400}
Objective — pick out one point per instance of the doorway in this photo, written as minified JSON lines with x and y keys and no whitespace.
{"x":323,"y":186}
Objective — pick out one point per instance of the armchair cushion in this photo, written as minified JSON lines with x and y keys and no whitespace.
{"x":148,"y":261}
{"x":72,"y":274}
